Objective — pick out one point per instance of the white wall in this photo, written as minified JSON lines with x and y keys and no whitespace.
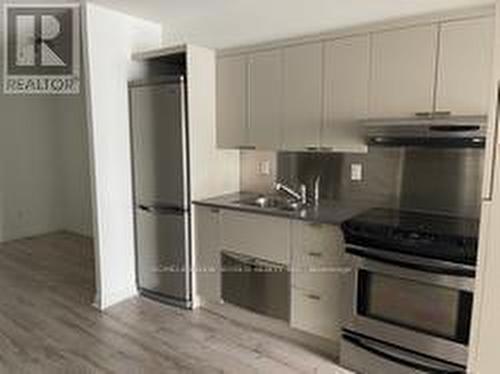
{"x":110,"y":39}
{"x":44,"y":180}
{"x":213,"y":171}
{"x":30,"y":167}
{"x":76,"y":198}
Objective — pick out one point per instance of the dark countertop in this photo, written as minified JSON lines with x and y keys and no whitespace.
{"x":328,"y":212}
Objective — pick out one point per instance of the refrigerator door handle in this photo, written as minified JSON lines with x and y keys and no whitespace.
{"x":159,"y":209}
{"x":146,"y":208}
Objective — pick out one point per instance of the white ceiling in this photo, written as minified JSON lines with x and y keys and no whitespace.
{"x":225,"y":23}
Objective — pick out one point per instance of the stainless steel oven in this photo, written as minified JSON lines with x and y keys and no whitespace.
{"x":365,"y":355}
{"x":419,"y":304}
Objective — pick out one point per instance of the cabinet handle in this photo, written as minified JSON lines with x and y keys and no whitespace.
{"x":214,"y":210}
{"x":247,"y":147}
{"x":312,"y":149}
{"x":315,"y":254}
{"x":314,"y":297}
{"x":442,"y":113}
{"x":438,"y":113}
{"x":423,"y":114}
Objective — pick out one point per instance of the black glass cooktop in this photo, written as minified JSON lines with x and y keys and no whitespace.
{"x":422,"y":234}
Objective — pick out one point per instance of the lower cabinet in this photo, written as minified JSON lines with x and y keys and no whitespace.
{"x":207,"y":254}
{"x":315,"y":313}
{"x":256,"y":235}
{"x":314,"y":254}
{"x":321,"y":279}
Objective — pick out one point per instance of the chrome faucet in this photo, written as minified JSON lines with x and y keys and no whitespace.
{"x":302,"y":196}
{"x":317,"y":182}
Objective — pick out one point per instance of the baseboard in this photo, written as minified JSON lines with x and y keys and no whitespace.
{"x":75,"y":232}
{"x":103,"y":302}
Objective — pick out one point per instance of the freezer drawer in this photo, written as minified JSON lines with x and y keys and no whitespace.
{"x":369,"y":356}
{"x":162,"y":254}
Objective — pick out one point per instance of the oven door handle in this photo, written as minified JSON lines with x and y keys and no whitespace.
{"x":358,"y":342}
{"x":410,"y":262}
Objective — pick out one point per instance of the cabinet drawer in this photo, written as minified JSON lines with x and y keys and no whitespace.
{"x":329,"y":284}
{"x":316,"y":245}
{"x":316,"y":314}
{"x":256,"y":235}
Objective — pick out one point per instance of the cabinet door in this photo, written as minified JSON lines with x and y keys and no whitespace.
{"x":403,"y":71}
{"x":265,"y":99}
{"x":207,"y":254}
{"x":302,"y":96}
{"x":465,"y":66}
{"x":256,"y":235}
{"x":231,"y":102}
{"x":347,"y":74}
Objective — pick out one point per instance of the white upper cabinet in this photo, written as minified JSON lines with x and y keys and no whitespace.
{"x":346,"y":81}
{"x":265,"y":87}
{"x":302,"y":92}
{"x":465,"y":66}
{"x":231,"y":102}
{"x":403,"y":71}
{"x":303,"y":96}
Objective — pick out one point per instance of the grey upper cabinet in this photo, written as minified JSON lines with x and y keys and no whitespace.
{"x":403,"y":71}
{"x":302,"y":96}
{"x":231,"y":102}
{"x":465,"y":66}
{"x":265,"y":87}
{"x":346,"y":87}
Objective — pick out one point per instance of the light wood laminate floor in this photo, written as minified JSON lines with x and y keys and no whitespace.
{"x":47,"y":324}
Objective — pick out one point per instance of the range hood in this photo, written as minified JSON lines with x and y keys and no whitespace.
{"x":427,"y":131}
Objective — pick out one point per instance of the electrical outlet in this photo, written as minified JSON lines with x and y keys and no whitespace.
{"x":356,"y":172}
{"x":265,"y":168}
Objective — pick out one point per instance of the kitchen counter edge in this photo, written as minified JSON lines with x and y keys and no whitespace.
{"x":327,"y":212}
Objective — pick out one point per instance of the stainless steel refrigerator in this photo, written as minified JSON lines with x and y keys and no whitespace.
{"x":161,"y":188}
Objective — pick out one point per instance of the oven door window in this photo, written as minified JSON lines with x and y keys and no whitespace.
{"x":432,"y":309}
